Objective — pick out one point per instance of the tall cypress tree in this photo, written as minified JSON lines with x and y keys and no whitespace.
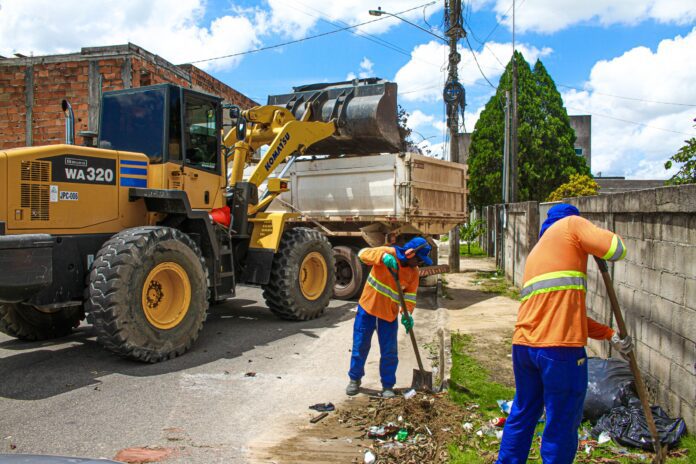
{"x":546,"y":157}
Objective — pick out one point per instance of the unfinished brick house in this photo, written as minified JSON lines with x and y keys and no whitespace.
{"x":32,"y":88}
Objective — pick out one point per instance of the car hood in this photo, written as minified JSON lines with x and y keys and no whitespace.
{"x":39,"y":459}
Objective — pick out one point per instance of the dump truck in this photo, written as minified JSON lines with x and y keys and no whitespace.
{"x":358,"y":201}
{"x":124,"y":231}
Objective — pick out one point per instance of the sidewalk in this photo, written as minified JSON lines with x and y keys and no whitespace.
{"x":488,"y":317}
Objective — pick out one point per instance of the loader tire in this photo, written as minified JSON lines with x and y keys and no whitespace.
{"x":302,"y":276}
{"x":148,"y":293}
{"x":29,"y":323}
{"x":349,"y":273}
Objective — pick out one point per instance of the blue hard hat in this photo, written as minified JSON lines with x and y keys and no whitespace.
{"x":556,"y":213}
{"x":422,"y":253}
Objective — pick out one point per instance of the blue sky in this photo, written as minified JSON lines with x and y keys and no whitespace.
{"x":622,"y":57}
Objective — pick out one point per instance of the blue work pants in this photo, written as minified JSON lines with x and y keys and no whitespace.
{"x":363,"y":328}
{"x":555,"y":378}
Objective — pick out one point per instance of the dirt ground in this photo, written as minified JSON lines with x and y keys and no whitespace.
{"x":487,"y":317}
{"x":342,"y":436}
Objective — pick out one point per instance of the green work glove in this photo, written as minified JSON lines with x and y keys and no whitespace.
{"x":390,"y":261}
{"x":407,"y":321}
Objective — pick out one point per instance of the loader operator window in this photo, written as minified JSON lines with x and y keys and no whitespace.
{"x":134,"y":122}
{"x":200,"y":134}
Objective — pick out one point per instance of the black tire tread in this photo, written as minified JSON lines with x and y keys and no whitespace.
{"x":277,"y":293}
{"x":110,"y":269}
{"x":45,"y":326}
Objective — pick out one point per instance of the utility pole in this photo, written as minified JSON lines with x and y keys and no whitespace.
{"x":513,"y":142}
{"x":506,"y":151}
{"x":455,"y":99}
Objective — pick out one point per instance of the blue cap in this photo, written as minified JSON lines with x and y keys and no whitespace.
{"x":412,"y":244}
{"x":556,"y":213}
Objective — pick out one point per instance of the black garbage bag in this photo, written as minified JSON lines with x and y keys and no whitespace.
{"x":609,"y":384}
{"x":627,"y":426}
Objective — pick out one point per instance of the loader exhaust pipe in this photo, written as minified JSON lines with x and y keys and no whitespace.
{"x":69,"y":122}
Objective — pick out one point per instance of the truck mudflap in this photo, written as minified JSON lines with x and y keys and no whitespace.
{"x":26,"y":265}
{"x":433,"y":270}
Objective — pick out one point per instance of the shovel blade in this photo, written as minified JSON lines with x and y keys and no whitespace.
{"x":422,"y":380}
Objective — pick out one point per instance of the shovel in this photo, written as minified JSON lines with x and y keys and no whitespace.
{"x":660,"y":451}
{"x":422,"y":379}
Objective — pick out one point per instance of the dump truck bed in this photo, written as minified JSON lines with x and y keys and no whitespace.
{"x":404,"y":189}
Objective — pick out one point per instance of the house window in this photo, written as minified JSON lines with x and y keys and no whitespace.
{"x":578,"y":151}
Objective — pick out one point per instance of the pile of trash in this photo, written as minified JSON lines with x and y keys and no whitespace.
{"x":416,"y":428}
{"x":613,"y":407}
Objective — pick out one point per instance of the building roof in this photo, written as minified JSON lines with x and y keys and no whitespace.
{"x":621,"y":184}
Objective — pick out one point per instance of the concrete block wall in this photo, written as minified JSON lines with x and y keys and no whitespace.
{"x":655,"y":284}
{"x":520,"y":231}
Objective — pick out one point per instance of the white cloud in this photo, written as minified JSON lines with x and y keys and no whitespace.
{"x":470,"y":119}
{"x":365,"y":70}
{"x":436,"y":150}
{"x":549,"y":16}
{"x":635,"y":150}
{"x":295,"y":18}
{"x":366,"y":66}
{"x":173,"y":29}
{"x":421,"y":79}
{"x":417,"y":119}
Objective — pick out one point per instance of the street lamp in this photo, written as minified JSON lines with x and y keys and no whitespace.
{"x":379,"y":12}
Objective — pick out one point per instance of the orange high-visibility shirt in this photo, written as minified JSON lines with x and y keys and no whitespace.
{"x":380,"y":297}
{"x":553,"y":311}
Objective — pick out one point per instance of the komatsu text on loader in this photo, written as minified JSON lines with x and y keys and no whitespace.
{"x":123,"y":233}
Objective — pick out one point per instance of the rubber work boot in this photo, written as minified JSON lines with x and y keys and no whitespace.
{"x":353,"y":388}
{"x":388,"y":393}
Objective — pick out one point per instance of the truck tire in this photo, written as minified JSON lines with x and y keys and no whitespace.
{"x":29,"y":323}
{"x":302,"y":278}
{"x":349,"y":273}
{"x":148,"y":293}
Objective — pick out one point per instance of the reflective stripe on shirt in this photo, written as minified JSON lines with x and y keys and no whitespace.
{"x":552,"y":282}
{"x":617,"y":250}
{"x":410,"y":298}
{"x":382,"y":289}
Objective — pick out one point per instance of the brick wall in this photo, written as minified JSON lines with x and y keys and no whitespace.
{"x":655,"y":284}
{"x":31,"y":89}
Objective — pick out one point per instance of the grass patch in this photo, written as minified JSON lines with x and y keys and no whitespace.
{"x":495,"y":282}
{"x":472,"y":388}
{"x":471,"y":251}
{"x":471,"y":382}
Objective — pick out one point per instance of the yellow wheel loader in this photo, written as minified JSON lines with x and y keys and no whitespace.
{"x":124,"y":233}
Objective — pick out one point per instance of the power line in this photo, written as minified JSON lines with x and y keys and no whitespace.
{"x":477,"y":63}
{"x":270,"y":47}
{"x":372,"y":38}
{"x":636,"y":123}
{"x":627,"y":98}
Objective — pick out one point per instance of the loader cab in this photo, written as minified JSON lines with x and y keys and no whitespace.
{"x":166,"y":122}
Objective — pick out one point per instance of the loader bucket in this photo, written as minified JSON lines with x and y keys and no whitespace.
{"x":364,"y":111}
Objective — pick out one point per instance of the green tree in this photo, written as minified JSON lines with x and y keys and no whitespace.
{"x":404,"y":131}
{"x":687,"y":172}
{"x":579,"y":185}
{"x":546,"y":157}
{"x":470,"y":232}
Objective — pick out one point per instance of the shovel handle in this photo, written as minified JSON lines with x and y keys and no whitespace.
{"x":660,"y":452}
{"x":402,"y":301}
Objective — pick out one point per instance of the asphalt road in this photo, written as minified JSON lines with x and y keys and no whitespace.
{"x":72,"y":397}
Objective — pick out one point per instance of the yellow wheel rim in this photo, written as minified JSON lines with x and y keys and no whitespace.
{"x":166,"y":295}
{"x":313,"y":275}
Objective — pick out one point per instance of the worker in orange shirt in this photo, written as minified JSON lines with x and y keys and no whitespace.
{"x":378,"y":308}
{"x":548,"y":345}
